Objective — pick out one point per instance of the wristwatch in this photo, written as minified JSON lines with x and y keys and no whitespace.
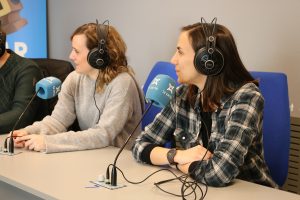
{"x":170,"y":156}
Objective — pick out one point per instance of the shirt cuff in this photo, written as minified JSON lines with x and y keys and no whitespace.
{"x":192,"y":169}
{"x":145,"y":155}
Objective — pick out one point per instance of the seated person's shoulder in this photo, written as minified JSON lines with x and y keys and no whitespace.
{"x":123,"y":79}
{"x":73,"y":78}
{"x":22,"y":65}
{"x":247,"y":93}
{"x":249,"y":88}
{"x":27,"y":66}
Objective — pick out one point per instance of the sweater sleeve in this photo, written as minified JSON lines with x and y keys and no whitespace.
{"x":25,"y":79}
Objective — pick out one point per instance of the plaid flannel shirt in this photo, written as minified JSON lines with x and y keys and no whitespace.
{"x":235,"y":141}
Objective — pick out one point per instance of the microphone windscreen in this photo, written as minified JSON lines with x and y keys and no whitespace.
{"x":48,"y":87}
{"x":161,"y":90}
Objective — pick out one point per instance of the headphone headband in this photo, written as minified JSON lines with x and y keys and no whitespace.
{"x":209,"y":60}
{"x":99,"y":57}
{"x":102,"y":32}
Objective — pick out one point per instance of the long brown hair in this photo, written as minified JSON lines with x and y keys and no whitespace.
{"x":116,"y":49}
{"x":233,"y":75}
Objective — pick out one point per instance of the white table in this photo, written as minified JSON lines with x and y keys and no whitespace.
{"x":34,"y":175}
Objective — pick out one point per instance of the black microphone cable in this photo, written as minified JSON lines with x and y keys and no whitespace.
{"x":186,"y":185}
{"x":139,"y":182}
{"x":180,"y":178}
{"x":183,"y":180}
{"x":192,"y":185}
{"x":94,"y":96}
{"x":156,"y":184}
{"x":113,"y":181}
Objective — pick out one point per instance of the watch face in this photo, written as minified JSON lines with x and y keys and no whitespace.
{"x":170,"y":156}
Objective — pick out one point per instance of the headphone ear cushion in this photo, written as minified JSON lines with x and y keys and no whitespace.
{"x":209,"y":64}
{"x":98,"y":58}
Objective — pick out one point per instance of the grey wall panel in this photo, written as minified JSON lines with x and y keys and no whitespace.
{"x":267,"y":32}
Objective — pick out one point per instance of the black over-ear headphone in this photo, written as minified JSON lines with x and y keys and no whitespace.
{"x":2,"y":41}
{"x":99,"y":57}
{"x":209,"y":60}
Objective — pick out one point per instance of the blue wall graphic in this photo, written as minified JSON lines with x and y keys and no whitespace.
{"x":25,"y":22}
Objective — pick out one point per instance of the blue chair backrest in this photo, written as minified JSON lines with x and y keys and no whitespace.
{"x":159,"y":68}
{"x":276,"y":123}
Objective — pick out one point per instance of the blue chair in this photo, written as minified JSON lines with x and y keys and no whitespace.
{"x":159,"y":68}
{"x":276,"y":123}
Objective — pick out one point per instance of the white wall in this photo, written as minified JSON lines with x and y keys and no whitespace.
{"x":266,"y":31}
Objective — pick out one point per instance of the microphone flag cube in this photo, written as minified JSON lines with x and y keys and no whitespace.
{"x":48,"y":87}
{"x":161,"y":90}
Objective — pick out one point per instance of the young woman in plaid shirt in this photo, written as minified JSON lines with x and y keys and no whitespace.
{"x":215,"y":119}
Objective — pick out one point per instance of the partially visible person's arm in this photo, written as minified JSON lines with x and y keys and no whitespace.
{"x":148,"y":147}
{"x":158,"y":155}
{"x":25,"y":81}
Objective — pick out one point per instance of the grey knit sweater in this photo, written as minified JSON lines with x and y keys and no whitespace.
{"x":120,"y":106}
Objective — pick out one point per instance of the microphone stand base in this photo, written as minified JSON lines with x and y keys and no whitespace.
{"x":3,"y":152}
{"x":109,"y":186}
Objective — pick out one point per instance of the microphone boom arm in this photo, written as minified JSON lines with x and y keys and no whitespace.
{"x":114,"y":169}
{"x":11,"y":140}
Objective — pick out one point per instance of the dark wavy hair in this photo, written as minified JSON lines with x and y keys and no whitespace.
{"x":233,"y":75}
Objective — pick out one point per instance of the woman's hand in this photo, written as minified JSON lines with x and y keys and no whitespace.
{"x":17,"y":134}
{"x":32,"y":142}
{"x":184,"y":158}
{"x":193,"y":154}
{"x":183,"y":168}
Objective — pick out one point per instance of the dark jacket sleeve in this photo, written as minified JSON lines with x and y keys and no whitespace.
{"x":24,"y":89}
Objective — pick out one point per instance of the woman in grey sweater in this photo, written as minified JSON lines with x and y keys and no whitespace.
{"x":101,"y":93}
